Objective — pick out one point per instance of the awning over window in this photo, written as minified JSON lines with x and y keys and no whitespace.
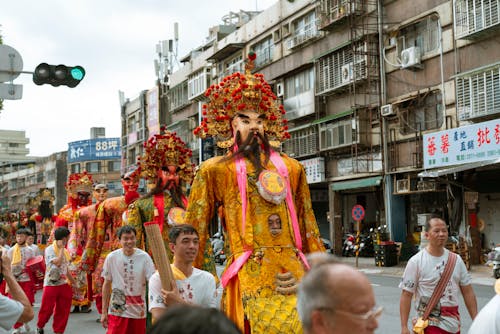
{"x":455,"y":169}
{"x":357,"y":183}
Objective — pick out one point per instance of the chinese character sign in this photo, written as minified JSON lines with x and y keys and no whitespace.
{"x":471,"y":143}
{"x":94,"y":149}
{"x":153,"y":112}
{"x":315,"y":169}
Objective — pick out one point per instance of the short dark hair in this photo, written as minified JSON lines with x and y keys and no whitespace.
{"x":61,"y":232}
{"x":176,"y":230}
{"x":24,"y":231}
{"x":190,"y":319}
{"x":125,"y":229}
{"x":427,"y":226}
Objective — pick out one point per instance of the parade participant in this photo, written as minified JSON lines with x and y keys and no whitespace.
{"x":30,"y":242}
{"x":84,"y":222}
{"x":336,"y":299}
{"x":422,"y":276}
{"x":102,"y":236}
{"x":17,"y":308}
{"x":127,"y":271}
{"x":488,"y":319}
{"x":57,"y":294}
{"x":194,"y":286}
{"x":19,"y":254}
{"x":44,"y":218}
{"x":253,"y":182}
{"x":166,"y":161}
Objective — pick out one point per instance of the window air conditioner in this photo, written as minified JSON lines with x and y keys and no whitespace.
{"x":410,"y":58}
{"x":387,"y":110}
{"x":346,"y":73}
{"x":402,"y":186}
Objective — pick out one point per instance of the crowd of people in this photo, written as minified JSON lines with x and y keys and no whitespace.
{"x":278,"y":278}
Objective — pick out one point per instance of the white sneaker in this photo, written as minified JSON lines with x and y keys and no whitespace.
{"x":27,"y":328}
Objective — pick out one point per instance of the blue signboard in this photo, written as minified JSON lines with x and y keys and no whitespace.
{"x":94,"y":149}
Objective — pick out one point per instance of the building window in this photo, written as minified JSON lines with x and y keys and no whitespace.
{"x":75,"y":168}
{"x":93,"y":167}
{"x":131,"y":125}
{"x":233,"y":65}
{"x":478,"y":94}
{"x":264,"y":51}
{"x":302,"y":142}
{"x":39,"y":177}
{"x":472,"y":16}
{"x":13,"y":144}
{"x":422,"y":113}
{"x":179,"y":96}
{"x":114,"y":166}
{"x":131,"y":157}
{"x":304,"y":29}
{"x":338,"y":134}
{"x":299,"y":83}
{"x":341,"y":67}
{"x":12,"y":184}
{"x":51,"y":175}
{"x":423,"y":34}
{"x":198,"y":83}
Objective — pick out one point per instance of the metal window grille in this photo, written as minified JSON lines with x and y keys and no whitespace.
{"x":423,"y":34}
{"x":302,"y":142}
{"x":472,"y":16}
{"x":338,"y":134}
{"x":478,"y":94}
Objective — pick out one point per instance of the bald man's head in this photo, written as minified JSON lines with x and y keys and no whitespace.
{"x":329,"y":287}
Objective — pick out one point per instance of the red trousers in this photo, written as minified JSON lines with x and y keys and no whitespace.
{"x":120,"y":325}
{"x":29,"y":289}
{"x":436,"y":330}
{"x":56,"y":300}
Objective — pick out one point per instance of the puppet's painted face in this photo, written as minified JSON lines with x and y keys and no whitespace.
{"x":169,"y":177}
{"x":130,"y":184}
{"x":248,"y":123}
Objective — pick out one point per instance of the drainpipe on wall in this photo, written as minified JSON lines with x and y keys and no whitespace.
{"x":384,"y":133}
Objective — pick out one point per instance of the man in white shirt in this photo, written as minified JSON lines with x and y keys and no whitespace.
{"x":126,"y":271}
{"x":17,"y":309}
{"x":488,"y":319}
{"x":30,"y":242}
{"x":194,"y":286}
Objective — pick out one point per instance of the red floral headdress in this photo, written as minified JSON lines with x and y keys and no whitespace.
{"x":163,"y":150}
{"x":240,"y":92}
{"x":79,"y":182}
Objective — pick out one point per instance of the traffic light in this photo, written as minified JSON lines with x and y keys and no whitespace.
{"x":58,"y":75}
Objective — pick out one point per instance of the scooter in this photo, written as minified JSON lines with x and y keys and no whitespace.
{"x":218,"y":248}
{"x":349,"y":247}
{"x":496,"y":263}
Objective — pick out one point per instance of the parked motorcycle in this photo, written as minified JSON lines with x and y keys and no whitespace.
{"x":349,"y":245}
{"x":496,"y":263}
{"x":218,"y":248}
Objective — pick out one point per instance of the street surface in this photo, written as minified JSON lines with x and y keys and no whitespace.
{"x":386,"y":293}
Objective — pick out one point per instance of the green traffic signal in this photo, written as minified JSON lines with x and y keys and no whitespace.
{"x":60,"y":75}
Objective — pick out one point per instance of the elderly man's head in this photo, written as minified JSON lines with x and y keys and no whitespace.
{"x":336,"y":298}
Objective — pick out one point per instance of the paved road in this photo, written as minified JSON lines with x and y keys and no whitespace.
{"x":386,"y":292}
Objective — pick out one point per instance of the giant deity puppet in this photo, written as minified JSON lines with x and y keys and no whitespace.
{"x":79,"y":187}
{"x":265,"y":197}
{"x":84,"y":222}
{"x":166,"y":163}
{"x":44,"y":217}
{"x":102,"y":236}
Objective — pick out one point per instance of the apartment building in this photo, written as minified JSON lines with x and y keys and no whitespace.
{"x":392,"y":105}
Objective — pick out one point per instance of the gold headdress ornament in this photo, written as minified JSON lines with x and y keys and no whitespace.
{"x":44,"y":195}
{"x":240,"y":92}
{"x":79,"y":182}
{"x":163,"y":150}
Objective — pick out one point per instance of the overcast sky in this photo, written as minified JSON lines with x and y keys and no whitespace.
{"x":114,"y":40}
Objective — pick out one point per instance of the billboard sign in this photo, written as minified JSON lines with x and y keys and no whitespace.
{"x":94,"y":149}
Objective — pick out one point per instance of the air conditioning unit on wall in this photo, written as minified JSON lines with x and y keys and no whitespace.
{"x":387,"y":110}
{"x":346,"y":73}
{"x":402,"y":186}
{"x":410,"y":58}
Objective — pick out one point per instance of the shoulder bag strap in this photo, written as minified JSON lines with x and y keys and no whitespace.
{"x":443,"y":281}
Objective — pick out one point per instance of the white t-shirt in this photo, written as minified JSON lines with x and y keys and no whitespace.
{"x":422,"y":275}
{"x":19,"y":270}
{"x":198,"y":289}
{"x":488,"y":319}
{"x":129,"y":275}
{"x":10,"y":311}
{"x":54,"y":275}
